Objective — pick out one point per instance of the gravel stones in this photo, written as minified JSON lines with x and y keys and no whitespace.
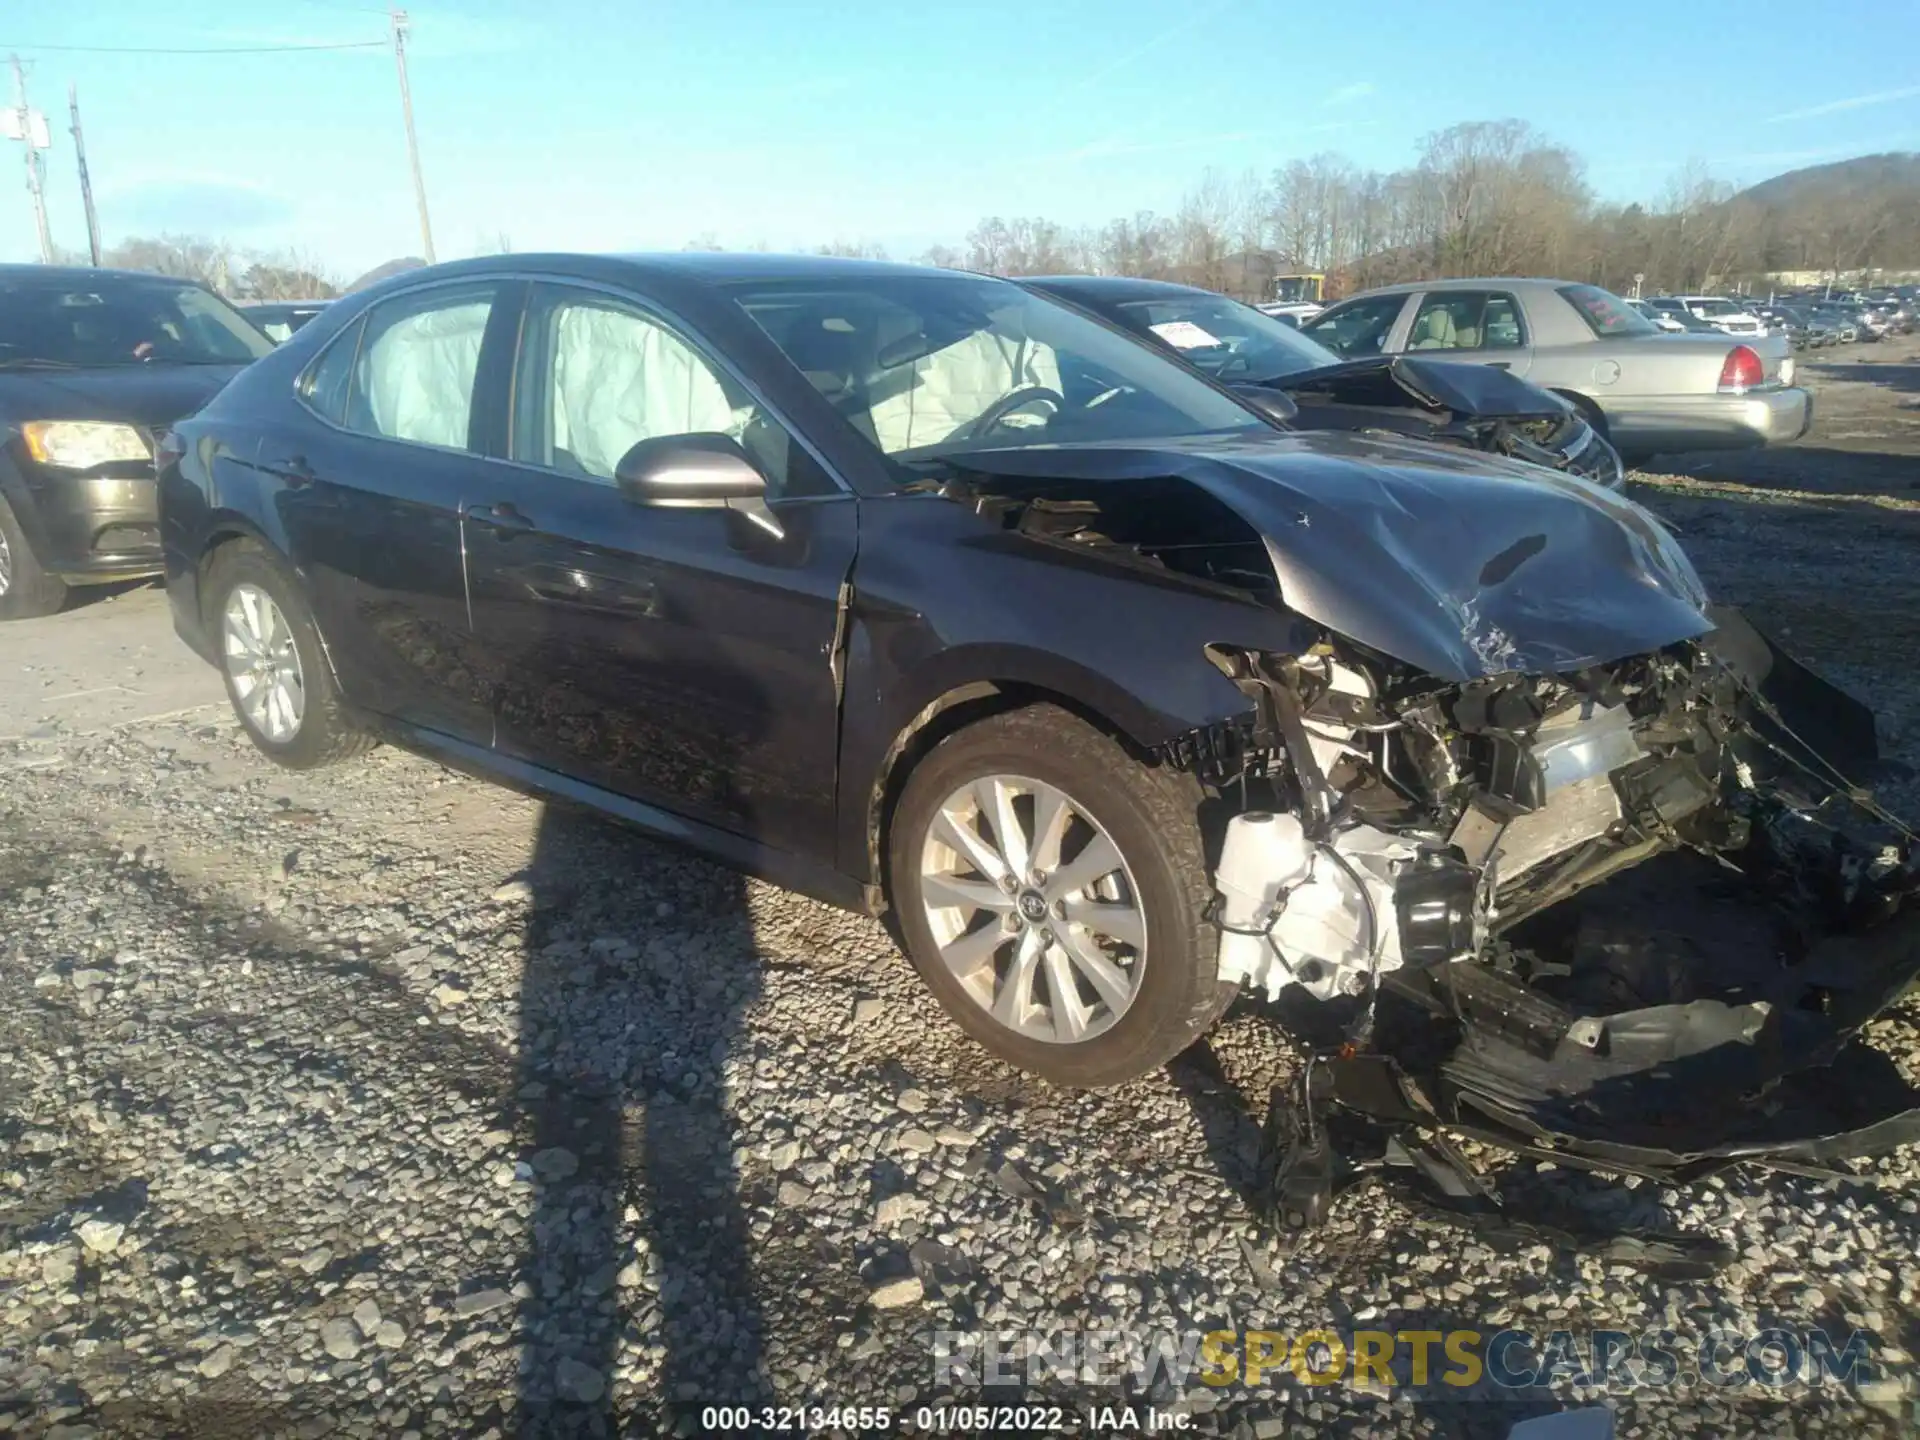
{"x":894,"y":1294}
{"x":340,"y":1339}
{"x":101,"y":1237}
{"x":579,"y":1383}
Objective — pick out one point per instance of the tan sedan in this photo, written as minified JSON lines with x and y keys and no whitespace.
{"x":1647,"y":391}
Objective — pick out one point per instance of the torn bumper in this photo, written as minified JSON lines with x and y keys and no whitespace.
{"x":1671,"y":911}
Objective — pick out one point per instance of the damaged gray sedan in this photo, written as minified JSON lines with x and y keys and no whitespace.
{"x":936,"y":598}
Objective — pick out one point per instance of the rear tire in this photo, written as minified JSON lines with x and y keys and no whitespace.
{"x":26,"y":591}
{"x":1158,"y":892}
{"x":247,"y":580}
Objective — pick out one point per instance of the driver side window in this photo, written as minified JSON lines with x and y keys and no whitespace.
{"x":596,"y":376}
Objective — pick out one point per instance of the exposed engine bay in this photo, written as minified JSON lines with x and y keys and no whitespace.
{"x":1408,"y":849}
{"x":1576,"y":863}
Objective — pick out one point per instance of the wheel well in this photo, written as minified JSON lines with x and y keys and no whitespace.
{"x":953,"y":712}
{"x":1589,"y":410}
{"x":220,"y":540}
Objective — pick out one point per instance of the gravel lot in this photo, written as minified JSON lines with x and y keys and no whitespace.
{"x":383,"y":1101}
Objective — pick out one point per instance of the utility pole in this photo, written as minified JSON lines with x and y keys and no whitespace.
{"x":86,"y":185}
{"x":30,"y":127}
{"x":399,"y":19}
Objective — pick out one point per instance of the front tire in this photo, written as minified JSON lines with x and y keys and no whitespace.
{"x":272,"y":661}
{"x":26,"y":591}
{"x":1052,"y":891}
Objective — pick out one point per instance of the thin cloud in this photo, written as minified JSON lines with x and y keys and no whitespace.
{"x":1852,"y":102}
{"x":1347,"y":94}
{"x":1192,"y":22}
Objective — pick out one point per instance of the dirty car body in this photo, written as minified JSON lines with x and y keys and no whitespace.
{"x":958,"y":606}
{"x":1467,"y":405}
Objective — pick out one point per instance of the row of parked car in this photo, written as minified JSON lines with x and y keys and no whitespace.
{"x":1808,"y":321}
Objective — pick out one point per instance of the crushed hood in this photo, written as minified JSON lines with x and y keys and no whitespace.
{"x":1470,"y":391}
{"x":1458,"y":563}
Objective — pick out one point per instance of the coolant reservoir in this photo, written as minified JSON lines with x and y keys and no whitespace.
{"x":1262,"y":854}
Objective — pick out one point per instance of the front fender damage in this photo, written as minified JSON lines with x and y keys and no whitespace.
{"x":1532,"y":844}
{"x":1633,"y":919}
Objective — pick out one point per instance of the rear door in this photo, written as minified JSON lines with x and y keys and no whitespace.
{"x":681,"y":657}
{"x":1484,"y":327}
{"x":373,"y":471}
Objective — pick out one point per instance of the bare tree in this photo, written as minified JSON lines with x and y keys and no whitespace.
{"x":186,"y":257}
{"x":853,"y":249}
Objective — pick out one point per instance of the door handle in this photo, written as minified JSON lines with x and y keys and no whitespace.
{"x":502,"y":516}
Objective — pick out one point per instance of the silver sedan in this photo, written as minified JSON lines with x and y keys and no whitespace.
{"x":1645,"y":390}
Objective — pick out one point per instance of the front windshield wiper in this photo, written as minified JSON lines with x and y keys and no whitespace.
{"x":35,"y":362}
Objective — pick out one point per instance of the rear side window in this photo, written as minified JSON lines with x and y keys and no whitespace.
{"x":1605,"y":312}
{"x":325,"y":385}
{"x":416,"y":364}
{"x":1466,"y":320}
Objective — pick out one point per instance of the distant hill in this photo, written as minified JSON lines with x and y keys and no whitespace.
{"x":1875,"y":176}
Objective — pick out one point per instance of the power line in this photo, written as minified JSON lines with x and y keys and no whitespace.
{"x":345,"y":8}
{"x":207,"y":50}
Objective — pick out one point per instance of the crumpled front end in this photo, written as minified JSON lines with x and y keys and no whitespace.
{"x":1477,"y":407}
{"x":1633,"y":916}
{"x":1580,"y":862}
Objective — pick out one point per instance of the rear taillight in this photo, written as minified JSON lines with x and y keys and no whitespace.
{"x":1742,"y":371}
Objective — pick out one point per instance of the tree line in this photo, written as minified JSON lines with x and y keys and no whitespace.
{"x":1482,"y":198}
{"x":1488,"y":197}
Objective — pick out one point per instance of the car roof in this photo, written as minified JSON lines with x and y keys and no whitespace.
{"x":84,"y":274}
{"x":1117,"y":287}
{"x":1510,"y":282}
{"x":720,"y":266}
{"x":705,"y":269}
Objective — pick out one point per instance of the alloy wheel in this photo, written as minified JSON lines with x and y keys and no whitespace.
{"x":1033,"y":908}
{"x":263,"y":664}
{"x":6,"y":564}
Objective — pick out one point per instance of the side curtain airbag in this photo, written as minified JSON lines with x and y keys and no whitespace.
{"x":619,"y":378}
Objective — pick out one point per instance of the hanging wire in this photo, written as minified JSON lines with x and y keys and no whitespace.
{"x":200,"y":50}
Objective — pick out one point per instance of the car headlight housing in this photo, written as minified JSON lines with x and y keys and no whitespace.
{"x":83,"y":444}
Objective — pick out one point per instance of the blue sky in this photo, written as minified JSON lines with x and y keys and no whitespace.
{"x":598,"y":125}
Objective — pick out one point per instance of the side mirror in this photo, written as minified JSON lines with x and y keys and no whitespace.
{"x":1274,"y":405}
{"x":703,"y":469}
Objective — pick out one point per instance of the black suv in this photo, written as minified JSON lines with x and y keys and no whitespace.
{"x":94,"y":365}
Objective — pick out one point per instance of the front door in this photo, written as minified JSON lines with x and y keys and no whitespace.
{"x":682,"y":657}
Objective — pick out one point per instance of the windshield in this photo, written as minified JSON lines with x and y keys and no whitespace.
{"x":1717,"y":307}
{"x":119,"y":320}
{"x":925,"y":366}
{"x":1605,"y":312}
{"x":1228,"y":340}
